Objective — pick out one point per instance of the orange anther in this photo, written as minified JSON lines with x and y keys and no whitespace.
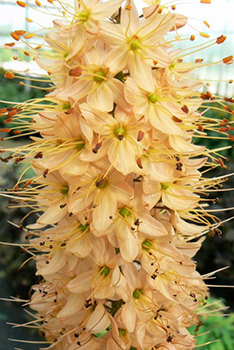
{"x":21,"y":83}
{"x":173,"y":7}
{"x":128,"y":7}
{"x":192,"y":37}
{"x":140,"y":135}
{"x":160,"y":10}
{"x":15,"y":36}
{"x":21,"y":3}
{"x":15,"y":58}
{"x":38,"y":47}
{"x":26,"y":54}
{"x":20,"y":32}
{"x":231,"y":137}
{"x":228,"y":109}
{"x":223,"y":129}
{"x":29,"y":36}
{"x":9,"y":75}
{"x":199,"y":60}
{"x":139,"y":163}
{"x":45,"y":173}
{"x":75,"y":72}
{"x":204,"y":35}
{"x":27,"y":183}
{"x":200,"y":127}
{"x":204,"y":96}
{"x":206,"y":23}
{"x":227,"y":59}
{"x":38,"y":155}
{"x":221,"y":162}
{"x":3,"y":111}
{"x":9,"y":120}
{"x":97,"y":147}
{"x":29,"y":20}
{"x":10,"y":44}
{"x":224,"y":122}
{"x":221,"y":39}
{"x":230,"y":81}
{"x":177,"y":120}
{"x":185,"y":109}
{"x":50,"y":1}
{"x":16,"y":132}
{"x":205,"y":1}
{"x":12,"y":113}
{"x":5,"y":130}
{"x":209,"y":94}
{"x":38,"y":3}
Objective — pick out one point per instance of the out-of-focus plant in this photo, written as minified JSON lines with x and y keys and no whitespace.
{"x":217,"y":328}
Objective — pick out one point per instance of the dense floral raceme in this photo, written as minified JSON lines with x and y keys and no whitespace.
{"x":119,"y":185}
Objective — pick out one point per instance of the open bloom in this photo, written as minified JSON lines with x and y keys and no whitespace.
{"x":95,"y":82}
{"x":122,"y":138}
{"x":136,"y":44}
{"x":159,"y":105}
{"x":100,"y":193}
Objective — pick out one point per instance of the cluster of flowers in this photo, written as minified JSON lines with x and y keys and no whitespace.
{"x":117,"y":179}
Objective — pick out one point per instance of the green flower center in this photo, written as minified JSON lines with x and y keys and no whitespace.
{"x":83,"y":228}
{"x":66,"y":54}
{"x":64,"y":190}
{"x":105,"y":271}
{"x":66,"y":106}
{"x":83,"y":16}
{"x":153,"y":98}
{"x":124,"y":212}
{"x":120,"y":132}
{"x":101,"y":183}
{"x":99,"y":76}
{"x":146,"y":244}
{"x":80,"y":144}
{"x":137,"y":294}
{"x":135,"y":45}
{"x":164,"y":186}
{"x":122,"y":332}
{"x":172,"y":66}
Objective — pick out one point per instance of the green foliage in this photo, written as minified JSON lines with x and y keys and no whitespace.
{"x":10,"y":90}
{"x":217,"y":329}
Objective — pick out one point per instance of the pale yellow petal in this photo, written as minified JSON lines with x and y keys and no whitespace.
{"x":101,"y":98}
